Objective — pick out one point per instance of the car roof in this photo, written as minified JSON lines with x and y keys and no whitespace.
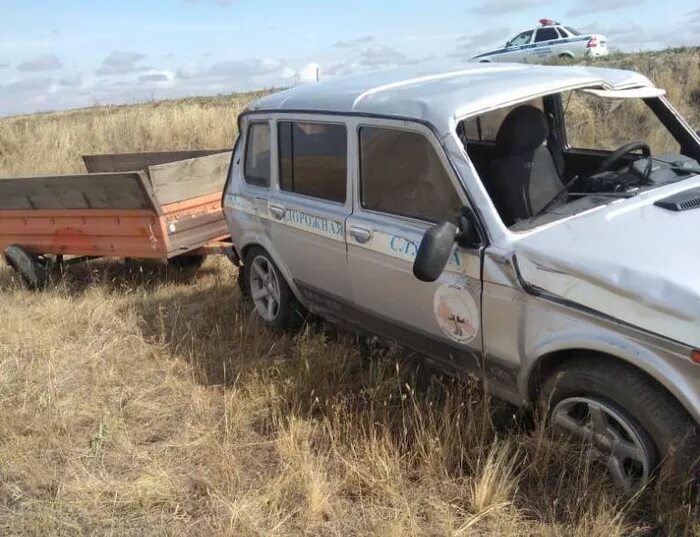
{"x":441,"y":98}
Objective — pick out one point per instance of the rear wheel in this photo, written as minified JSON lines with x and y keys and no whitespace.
{"x":29,"y":266}
{"x":264,"y":284}
{"x":631,"y":423}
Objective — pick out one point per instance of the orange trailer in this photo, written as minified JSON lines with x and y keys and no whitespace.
{"x":164,"y":205}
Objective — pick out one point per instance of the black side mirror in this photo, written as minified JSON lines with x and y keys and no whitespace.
{"x":436,"y":246}
{"x":434,"y":251}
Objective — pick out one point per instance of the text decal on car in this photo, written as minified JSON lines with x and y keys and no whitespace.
{"x":304,"y":221}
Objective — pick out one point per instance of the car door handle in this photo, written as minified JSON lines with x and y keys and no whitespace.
{"x":360,"y":234}
{"x":277,"y":211}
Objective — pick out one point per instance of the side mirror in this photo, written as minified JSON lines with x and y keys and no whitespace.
{"x":434,"y":251}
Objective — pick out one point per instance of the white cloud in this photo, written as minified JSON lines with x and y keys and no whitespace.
{"x":71,"y":80}
{"x":121,"y":62}
{"x":45,"y":62}
{"x":156,"y":78}
{"x":501,"y":7}
{"x":469,"y":45}
{"x":308,"y":73}
{"x":30,"y":85}
{"x":245,"y":68}
{"x":598,"y":6}
{"x":353,"y":43}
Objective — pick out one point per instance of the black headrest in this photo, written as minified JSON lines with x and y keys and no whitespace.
{"x":525,"y":128}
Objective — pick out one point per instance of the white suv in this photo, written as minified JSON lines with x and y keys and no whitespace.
{"x":468,"y":216}
{"x":550,"y":40}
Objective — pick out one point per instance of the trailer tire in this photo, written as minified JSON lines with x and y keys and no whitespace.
{"x":187,"y":262}
{"x":29,"y":266}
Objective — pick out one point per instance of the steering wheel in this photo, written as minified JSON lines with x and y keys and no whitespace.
{"x":613,"y":161}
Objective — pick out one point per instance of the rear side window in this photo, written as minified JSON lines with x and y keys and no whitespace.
{"x":313,"y":159}
{"x":546,"y":34}
{"x":257,"y":155}
{"x":401,"y":174}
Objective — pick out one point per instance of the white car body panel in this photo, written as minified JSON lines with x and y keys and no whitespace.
{"x":639,"y":274}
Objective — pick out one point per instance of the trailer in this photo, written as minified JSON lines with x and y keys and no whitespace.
{"x":157,"y":205}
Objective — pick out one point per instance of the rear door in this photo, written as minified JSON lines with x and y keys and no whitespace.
{"x":309,"y":206}
{"x":404,"y":185}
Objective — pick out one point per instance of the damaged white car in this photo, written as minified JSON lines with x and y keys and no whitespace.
{"x":536,"y":226}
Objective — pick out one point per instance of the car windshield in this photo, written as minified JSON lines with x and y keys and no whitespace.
{"x":571,"y":30}
{"x":537,"y":169}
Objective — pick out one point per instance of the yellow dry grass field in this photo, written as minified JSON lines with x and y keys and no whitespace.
{"x":135,"y":400}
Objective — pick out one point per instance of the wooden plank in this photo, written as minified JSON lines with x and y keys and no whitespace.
{"x":129,"y":162}
{"x":190,"y":178}
{"x":83,"y":191}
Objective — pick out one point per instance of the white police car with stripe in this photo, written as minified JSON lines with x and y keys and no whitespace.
{"x":550,"y":40}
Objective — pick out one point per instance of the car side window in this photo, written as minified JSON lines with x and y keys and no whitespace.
{"x":257,"y":155}
{"x":313,"y":159}
{"x":401,"y":174}
{"x":521,"y":39}
{"x":546,"y":34}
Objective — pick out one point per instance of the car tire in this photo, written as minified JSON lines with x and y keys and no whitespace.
{"x":29,"y":266}
{"x":632,"y":420}
{"x":269,"y":292}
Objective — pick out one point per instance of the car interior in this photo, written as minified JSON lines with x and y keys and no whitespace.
{"x":533,"y":154}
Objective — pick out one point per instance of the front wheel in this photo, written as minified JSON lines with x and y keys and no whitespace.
{"x":274,"y":301}
{"x":630,"y":421}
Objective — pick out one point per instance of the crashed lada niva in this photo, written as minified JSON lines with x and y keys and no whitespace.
{"x":534,"y":225}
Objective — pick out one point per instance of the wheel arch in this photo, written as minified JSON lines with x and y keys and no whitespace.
{"x":264,"y":243}
{"x":549,"y":362}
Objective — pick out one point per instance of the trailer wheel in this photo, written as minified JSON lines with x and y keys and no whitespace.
{"x":29,"y":266}
{"x":187,"y":262}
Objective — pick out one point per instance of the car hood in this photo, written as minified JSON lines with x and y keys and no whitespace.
{"x":630,"y":260}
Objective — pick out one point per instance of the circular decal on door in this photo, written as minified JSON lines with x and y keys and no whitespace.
{"x":456,"y":312}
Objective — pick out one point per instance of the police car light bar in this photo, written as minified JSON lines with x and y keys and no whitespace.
{"x":547,"y":22}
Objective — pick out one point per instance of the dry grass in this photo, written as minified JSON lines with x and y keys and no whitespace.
{"x":138,"y":401}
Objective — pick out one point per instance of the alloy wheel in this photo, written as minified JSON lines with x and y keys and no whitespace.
{"x":614,"y":436}
{"x":264,"y":288}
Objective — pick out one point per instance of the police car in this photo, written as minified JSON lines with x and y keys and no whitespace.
{"x":549,"y":40}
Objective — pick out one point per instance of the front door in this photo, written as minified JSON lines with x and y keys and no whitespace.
{"x":404,"y":186}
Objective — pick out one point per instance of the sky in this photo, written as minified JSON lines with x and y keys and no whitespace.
{"x":56,"y":55}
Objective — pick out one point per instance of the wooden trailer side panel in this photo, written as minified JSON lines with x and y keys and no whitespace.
{"x":193,"y":223}
{"x":85,"y":232}
{"x":187,"y":179}
{"x":82,"y":191}
{"x":126,"y":162}
{"x":104,"y":214}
